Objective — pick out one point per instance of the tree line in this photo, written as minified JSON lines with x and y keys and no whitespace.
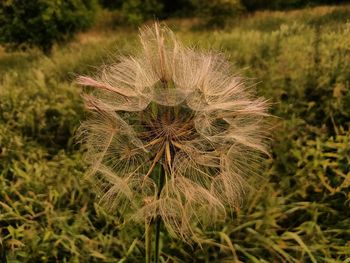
{"x":42,"y":23}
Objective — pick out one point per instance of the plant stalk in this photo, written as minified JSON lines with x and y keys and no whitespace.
{"x":161,"y":178}
{"x":148,"y":240}
{"x":155,"y":223}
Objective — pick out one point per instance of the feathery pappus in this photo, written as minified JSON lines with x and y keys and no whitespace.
{"x":180,"y":110}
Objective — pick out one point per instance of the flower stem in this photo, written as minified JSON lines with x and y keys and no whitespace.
{"x":148,"y":241}
{"x":161,"y":178}
{"x":156,"y":252}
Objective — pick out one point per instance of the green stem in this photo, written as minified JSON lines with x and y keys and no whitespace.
{"x":161,"y":178}
{"x":148,"y":241}
{"x":156,"y":255}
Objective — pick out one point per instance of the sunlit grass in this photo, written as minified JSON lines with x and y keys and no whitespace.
{"x":300,"y":210}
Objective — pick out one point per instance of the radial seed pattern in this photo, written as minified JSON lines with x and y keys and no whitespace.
{"x":180,"y":109}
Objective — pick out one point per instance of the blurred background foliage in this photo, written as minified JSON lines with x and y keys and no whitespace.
{"x":300,"y":209}
{"x":43,"y":22}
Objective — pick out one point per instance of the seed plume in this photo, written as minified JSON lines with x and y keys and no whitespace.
{"x":179,"y":109}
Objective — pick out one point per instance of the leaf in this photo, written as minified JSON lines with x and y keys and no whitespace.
{"x":301,"y":243}
{"x":227,"y":239}
{"x":97,"y":254}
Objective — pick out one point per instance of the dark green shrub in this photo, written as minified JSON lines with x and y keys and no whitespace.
{"x":217,"y":13}
{"x":285,"y":4}
{"x":177,"y":8}
{"x":274,"y":4}
{"x":43,"y":22}
{"x":111,"y":4}
{"x":137,"y":11}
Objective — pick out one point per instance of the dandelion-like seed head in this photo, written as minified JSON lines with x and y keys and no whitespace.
{"x":176,"y":110}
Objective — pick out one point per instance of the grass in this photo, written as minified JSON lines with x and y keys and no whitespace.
{"x":299,"y":211}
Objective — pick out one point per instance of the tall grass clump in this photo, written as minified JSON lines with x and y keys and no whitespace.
{"x":172,"y":135}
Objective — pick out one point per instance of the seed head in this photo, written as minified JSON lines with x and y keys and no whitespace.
{"x":179,"y":109}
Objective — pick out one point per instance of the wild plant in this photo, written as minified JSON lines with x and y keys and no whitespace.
{"x":172,"y":135}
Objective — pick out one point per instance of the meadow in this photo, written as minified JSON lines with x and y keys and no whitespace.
{"x":299,"y":210}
